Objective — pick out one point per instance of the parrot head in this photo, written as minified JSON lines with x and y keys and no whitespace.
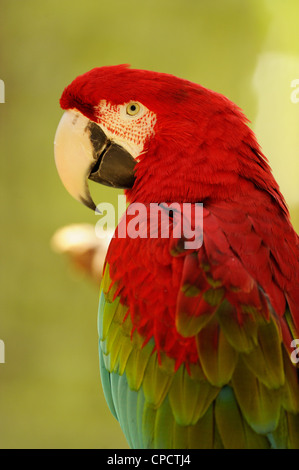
{"x":159,"y":137}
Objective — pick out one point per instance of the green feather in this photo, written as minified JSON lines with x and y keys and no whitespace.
{"x":156,"y":382}
{"x":265,"y":360}
{"x":242,"y":337}
{"x":229,"y":420}
{"x":202,"y":435}
{"x":189,"y":399}
{"x":293,"y":427}
{"x":259,"y":404}
{"x":164,"y":427}
{"x":106,"y":384}
{"x":148,"y":425}
{"x":290,"y":393}
{"x":217,"y":357}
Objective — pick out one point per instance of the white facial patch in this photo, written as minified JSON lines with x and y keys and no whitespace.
{"x":129,"y":131}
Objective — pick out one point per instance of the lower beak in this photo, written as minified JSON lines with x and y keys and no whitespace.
{"x":82,"y":152}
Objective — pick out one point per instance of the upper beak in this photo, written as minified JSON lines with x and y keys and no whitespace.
{"x":82,"y":152}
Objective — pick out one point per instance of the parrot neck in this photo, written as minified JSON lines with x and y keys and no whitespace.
{"x":212,"y":173}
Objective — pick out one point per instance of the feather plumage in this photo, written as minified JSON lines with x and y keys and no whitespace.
{"x":194,"y":343}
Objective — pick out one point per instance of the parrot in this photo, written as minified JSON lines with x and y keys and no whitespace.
{"x":196,"y":341}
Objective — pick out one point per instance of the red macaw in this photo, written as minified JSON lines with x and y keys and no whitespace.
{"x":196,"y":343}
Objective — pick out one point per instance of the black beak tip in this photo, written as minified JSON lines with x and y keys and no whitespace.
{"x":89,"y":203}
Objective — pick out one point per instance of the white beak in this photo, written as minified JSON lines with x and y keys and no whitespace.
{"x":74,"y":156}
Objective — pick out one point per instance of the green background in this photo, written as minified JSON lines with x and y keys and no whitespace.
{"x":50,"y":393}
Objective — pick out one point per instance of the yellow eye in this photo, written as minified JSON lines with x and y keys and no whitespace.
{"x":133,"y":109}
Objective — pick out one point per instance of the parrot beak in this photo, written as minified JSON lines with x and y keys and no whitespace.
{"x":83,"y":151}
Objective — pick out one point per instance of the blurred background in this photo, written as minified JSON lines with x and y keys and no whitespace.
{"x":50,"y":392}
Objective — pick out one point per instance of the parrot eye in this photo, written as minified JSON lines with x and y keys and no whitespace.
{"x":133,"y":109}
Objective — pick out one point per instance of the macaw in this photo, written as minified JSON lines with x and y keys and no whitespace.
{"x":196,"y":343}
